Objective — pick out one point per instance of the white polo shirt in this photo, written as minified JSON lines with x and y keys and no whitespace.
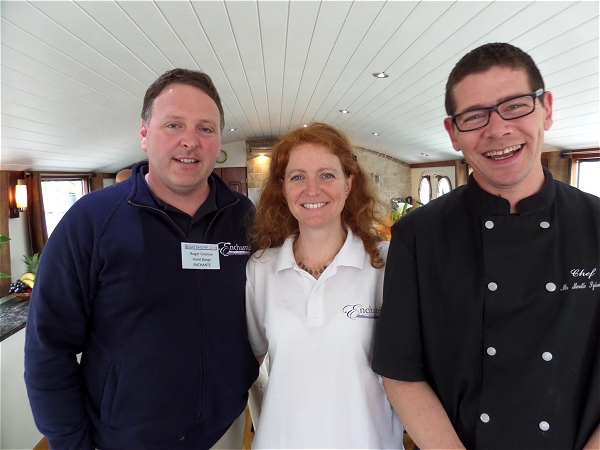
{"x":321,"y":391}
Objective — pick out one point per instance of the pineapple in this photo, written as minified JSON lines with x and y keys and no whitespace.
{"x":32,"y":263}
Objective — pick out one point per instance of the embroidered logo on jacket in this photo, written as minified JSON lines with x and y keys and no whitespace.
{"x":359,"y":311}
{"x":583,"y":280}
{"x":229,"y":249}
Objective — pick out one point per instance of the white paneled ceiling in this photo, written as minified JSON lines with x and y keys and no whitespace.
{"x":74,"y":73}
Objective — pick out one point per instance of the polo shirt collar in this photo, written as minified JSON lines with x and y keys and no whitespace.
{"x":351,"y":254}
{"x":492,"y":204}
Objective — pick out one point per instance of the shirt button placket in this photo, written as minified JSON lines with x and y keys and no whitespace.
{"x":492,"y":286}
{"x":546,"y":356}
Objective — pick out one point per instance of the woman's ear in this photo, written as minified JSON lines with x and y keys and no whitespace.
{"x":282,"y":191}
{"x":348,"y":186}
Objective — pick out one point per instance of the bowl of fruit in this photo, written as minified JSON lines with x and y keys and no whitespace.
{"x":23,"y":286}
{"x":19,"y":289}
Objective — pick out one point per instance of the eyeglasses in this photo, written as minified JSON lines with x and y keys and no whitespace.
{"x":510,"y":109}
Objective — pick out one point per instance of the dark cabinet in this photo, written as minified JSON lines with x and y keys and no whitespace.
{"x":235,"y":177}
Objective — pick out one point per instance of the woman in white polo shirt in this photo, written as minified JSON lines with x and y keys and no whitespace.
{"x":313,"y":296}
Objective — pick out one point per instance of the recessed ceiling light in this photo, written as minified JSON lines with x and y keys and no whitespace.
{"x":380,"y":75}
{"x":305,"y":125}
{"x":424,"y":154}
{"x":375,"y":134}
{"x":344,"y":111}
{"x":232,"y":129}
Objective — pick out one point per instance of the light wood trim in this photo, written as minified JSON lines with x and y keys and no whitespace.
{"x":42,"y":445}
{"x":450,"y":162}
{"x":248,"y":431}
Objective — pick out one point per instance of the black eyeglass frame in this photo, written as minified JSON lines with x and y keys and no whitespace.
{"x":491,"y":109}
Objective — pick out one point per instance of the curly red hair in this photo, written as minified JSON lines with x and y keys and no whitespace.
{"x":362,"y":211}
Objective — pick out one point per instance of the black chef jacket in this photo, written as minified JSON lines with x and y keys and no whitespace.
{"x":499,"y":313}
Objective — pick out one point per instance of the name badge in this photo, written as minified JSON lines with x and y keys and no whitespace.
{"x":199,"y":256}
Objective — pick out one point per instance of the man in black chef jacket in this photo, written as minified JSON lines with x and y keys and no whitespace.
{"x":489,"y":335}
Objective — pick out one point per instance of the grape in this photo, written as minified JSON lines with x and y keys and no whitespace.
{"x":17,"y":287}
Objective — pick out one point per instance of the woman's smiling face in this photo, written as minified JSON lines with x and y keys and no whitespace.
{"x":315,"y":186}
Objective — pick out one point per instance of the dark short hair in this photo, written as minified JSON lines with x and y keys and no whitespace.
{"x":193,"y":78}
{"x":483,"y":59}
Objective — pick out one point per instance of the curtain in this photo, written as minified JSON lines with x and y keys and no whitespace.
{"x":38,"y":233}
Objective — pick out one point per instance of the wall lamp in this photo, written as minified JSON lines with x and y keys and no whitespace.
{"x":17,"y":196}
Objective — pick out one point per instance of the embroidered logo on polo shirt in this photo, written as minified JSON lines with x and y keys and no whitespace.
{"x":359,"y":311}
{"x":229,"y":249}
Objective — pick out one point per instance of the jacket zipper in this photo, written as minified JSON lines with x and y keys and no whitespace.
{"x":200,"y":414}
{"x":152,"y":208}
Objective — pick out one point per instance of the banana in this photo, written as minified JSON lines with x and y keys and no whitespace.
{"x":28,"y":276}
{"x":28,"y":283}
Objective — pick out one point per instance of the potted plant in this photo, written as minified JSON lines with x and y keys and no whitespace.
{"x":4,"y":239}
{"x":398,"y":211}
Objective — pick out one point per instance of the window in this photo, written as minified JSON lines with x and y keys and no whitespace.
{"x":588,"y":173}
{"x":58,"y":196}
{"x":425,"y":189}
{"x":444,"y":185}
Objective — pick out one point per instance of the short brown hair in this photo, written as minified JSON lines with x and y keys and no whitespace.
{"x":484,"y":58}
{"x":193,"y":78}
{"x":362,"y":211}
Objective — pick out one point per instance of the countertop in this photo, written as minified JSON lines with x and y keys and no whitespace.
{"x":13,"y":315}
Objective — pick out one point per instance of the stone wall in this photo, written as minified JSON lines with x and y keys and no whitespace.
{"x":392,"y":176}
{"x":257,"y":171}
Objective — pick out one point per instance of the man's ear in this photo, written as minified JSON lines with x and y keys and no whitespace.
{"x":143,"y":132}
{"x":452,"y":132}
{"x":547,"y":110}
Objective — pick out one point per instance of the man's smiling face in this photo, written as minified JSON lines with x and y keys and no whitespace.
{"x":506,"y":154}
{"x":182,"y":140}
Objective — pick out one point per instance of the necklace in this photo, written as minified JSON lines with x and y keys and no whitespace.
{"x":310,"y":271}
{"x":316,"y":273}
